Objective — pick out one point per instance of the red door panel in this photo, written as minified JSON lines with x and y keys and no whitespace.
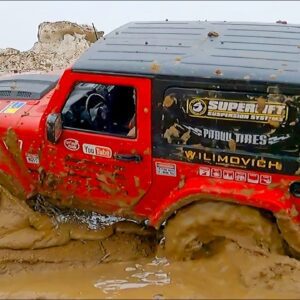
{"x":100,"y":170}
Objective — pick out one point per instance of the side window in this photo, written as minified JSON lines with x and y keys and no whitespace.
{"x":106,"y":109}
{"x":252,"y":131}
{"x":231,"y":121}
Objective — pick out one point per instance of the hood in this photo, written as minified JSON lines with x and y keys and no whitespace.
{"x":20,"y":94}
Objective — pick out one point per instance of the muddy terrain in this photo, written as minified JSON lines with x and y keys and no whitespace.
{"x":50,"y":256}
{"x":42,"y":257}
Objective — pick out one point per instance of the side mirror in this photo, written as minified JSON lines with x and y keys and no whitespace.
{"x":54,"y":127}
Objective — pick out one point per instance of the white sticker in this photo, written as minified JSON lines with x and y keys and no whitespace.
{"x":204,"y":171}
{"x":20,"y":142}
{"x":32,"y":158}
{"x":265,"y":179}
{"x":233,"y":175}
{"x":240,"y":138}
{"x":236,"y":110}
{"x":165,"y":169}
{"x":216,"y":173}
{"x":240,"y":176}
{"x":228,"y":174}
{"x":253,"y":178}
{"x":101,"y":151}
{"x":71,"y":144}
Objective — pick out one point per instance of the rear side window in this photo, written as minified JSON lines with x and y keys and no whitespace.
{"x":200,"y":125}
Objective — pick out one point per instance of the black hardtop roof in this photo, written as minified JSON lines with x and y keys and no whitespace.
{"x":267,"y":52}
{"x":27,"y":86}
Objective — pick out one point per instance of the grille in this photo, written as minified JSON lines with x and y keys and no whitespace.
{"x":21,"y":94}
{"x":5,"y":93}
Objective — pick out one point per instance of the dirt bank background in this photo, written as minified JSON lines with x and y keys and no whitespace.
{"x":42,"y":259}
{"x":59,"y":44}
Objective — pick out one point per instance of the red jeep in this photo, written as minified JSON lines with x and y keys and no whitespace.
{"x":157,"y":117}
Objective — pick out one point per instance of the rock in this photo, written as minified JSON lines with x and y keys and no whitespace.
{"x":54,"y":32}
{"x":9,"y":51}
{"x":59,"y":45}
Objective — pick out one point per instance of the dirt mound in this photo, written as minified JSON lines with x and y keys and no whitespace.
{"x":59,"y":45}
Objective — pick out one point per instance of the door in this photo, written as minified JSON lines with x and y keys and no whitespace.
{"x":102,"y":160}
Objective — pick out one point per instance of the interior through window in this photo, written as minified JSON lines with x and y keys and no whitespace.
{"x":101,"y":108}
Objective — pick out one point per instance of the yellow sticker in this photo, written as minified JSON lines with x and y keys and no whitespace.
{"x":12,"y":107}
{"x":260,"y":111}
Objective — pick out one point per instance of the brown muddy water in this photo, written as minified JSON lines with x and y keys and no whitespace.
{"x":41,"y":259}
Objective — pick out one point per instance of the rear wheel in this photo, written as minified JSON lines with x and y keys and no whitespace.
{"x":194,"y":228}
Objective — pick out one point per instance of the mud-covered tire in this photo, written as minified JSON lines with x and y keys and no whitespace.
{"x":290,"y":232}
{"x":202,"y":223}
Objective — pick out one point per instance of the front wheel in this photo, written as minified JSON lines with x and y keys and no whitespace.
{"x":201,"y":224}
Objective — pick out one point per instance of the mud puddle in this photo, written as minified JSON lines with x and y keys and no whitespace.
{"x":43,"y":259}
{"x":230,"y":273}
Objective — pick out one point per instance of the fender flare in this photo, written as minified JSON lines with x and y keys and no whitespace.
{"x":195,"y":189}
